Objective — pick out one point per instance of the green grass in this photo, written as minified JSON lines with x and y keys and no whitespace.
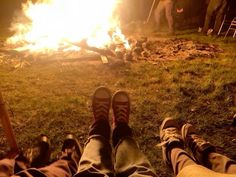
{"x":54,"y":99}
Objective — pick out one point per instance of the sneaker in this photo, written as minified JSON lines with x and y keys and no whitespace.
{"x":199,"y":147}
{"x":199,"y":29}
{"x":70,"y":145}
{"x":101,"y":103}
{"x":121,"y":108}
{"x":170,"y":138}
{"x":209,"y":32}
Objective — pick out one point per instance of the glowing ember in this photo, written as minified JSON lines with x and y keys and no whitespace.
{"x":54,"y":25}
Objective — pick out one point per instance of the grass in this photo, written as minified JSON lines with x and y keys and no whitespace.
{"x":54,"y":99}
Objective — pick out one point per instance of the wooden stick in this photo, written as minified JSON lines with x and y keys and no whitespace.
{"x":7,"y":128}
{"x":84,"y":45}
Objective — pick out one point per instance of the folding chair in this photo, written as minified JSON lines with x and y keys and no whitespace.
{"x":224,"y":23}
{"x":232,"y":27}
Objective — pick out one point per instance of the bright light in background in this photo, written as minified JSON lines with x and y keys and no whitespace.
{"x":53,"y":25}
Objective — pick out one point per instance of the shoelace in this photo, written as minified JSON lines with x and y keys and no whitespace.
{"x":121,"y":112}
{"x":198,"y":139}
{"x":197,"y":142}
{"x":101,"y":109}
{"x":169,"y":133}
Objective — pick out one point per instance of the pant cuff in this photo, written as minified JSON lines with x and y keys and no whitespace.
{"x":102,"y":128}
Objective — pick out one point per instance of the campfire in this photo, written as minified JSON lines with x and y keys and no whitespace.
{"x":52,"y":27}
{"x":88,"y":29}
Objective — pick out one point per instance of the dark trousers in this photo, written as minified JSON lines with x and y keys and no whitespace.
{"x":216,"y":9}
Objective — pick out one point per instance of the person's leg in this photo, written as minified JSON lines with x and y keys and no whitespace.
{"x":204,"y":152}
{"x":129,"y":160}
{"x":209,"y":16}
{"x":220,"y":163}
{"x":158,"y":13}
{"x":172,"y":146}
{"x":37,"y":156}
{"x":180,"y":159}
{"x":202,"y":11}
{"x":169,"y":5}
{"x":96,"y":159}
{"x":65,"y":166}
{"x":220,"y":16}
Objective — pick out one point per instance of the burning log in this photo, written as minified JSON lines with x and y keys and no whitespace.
{"x":148,"y":49}
{"x":83,"y":44}
{"x":26,"y":57}
{"x":88,"y":57}
{"x":12,"y":52}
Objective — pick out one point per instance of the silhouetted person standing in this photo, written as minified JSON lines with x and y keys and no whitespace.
{"x":167,"y":7}
{"x":216,"y":9}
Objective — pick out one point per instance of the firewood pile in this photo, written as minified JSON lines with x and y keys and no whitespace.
{"x":141,"y":49}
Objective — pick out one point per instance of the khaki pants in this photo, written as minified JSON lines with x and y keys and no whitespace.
{"x":167,"y":7}
{"x":180,"y":160}
{"x":128,"y":160}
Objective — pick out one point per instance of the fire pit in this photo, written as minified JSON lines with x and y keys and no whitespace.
{"x":141,"y":49}
{"x":58,"y":30}
{"x":48,"y":29}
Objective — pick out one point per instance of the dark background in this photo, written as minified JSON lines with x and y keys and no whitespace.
{"x":193,"y":11}
{"x":7,"y":9}
{"x":131,"y":10}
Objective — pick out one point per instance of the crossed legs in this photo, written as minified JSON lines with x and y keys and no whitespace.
{"x":202,"y":152}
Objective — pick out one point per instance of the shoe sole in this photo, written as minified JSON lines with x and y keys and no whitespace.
{"x":185,"y":130}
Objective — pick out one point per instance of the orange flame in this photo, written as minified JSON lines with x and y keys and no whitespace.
{"x":52,"y":25}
